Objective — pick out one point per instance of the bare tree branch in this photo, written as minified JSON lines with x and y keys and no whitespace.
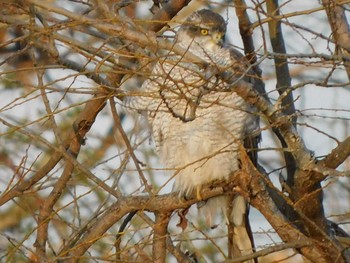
{"x":338,"y":155}
{"x":245,"y":29}
{"x":294,"y":244}
{"x":160,"y":236}
{"x":281,"y":64}
{"x":283,"y":81}
{"x":164,"y":15}
{"x":340,"y":28}
{"x":50,"y":52}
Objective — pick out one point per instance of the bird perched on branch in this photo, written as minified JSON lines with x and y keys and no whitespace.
{"x":198,"y":121}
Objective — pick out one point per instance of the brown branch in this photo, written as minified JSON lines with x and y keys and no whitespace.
{"x":246,"y":32}
{"x":305,"y":188}
{"x":245,"y":29}
{"x":164,"y":15}
{"x":176,"y":252}
{"x":259,"y":197}
{"x":340,"y":29}
{"x":46,"y":210}
{"x":125,"y":205}
{"x":278,"y":45}
{"x":165,"y":204}
{"x":283,"y":80}
{"x":308,"y":167}
{"x":309,"y":171}
{"x":160,"y":234}
{"x":97,"y":103}
{"x":281,"y":64}
{"x":263,"y":252}
{"x":118,"y":239}
{"x":80,"y":128}
{"x":24,"y":185}
{"x":47,"y":207}
{"x":338,"y":155}
{"x":144,"y":39}
{"x":320,"y":251}
{"x":118,"y":124}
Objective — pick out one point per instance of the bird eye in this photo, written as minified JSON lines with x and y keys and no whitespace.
{"x":204,"y":31}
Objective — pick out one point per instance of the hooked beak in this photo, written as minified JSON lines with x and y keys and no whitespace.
{"x":218,"y":38}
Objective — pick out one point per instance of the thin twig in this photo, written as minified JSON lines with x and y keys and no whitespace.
{"x":263,"y":252}
{"x":116,"y":119}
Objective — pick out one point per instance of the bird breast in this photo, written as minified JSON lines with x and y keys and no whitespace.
{"x":204,"y":149}
{"x":197,"y":130}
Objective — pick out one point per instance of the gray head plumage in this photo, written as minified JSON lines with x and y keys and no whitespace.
{"x":204,"y":29}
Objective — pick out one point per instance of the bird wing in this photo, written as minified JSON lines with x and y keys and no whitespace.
{"x":241,"y":236}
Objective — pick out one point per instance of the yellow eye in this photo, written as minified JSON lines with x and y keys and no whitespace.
{"x":204,"y":31}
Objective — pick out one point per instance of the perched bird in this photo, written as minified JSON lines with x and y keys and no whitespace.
{"x":198,"y":121}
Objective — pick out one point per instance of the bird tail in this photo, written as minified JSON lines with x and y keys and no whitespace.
{"x":241,"y":240}
{"x":236,"y":212}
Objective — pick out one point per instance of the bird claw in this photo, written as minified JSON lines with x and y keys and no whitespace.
{"x":198,"y":193}
{"x":183,"y":199}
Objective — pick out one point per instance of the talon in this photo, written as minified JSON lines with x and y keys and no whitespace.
{"x":198,"y":193}
{"x":183,"y":199}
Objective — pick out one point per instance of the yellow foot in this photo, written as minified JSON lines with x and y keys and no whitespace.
{"x":198,"y":192}
{"x":182,"y":199}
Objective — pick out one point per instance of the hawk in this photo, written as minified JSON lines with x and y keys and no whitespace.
{"x":198,"y":121}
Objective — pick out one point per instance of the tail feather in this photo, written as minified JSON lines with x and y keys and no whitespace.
{"x":236,"y":212}
{"x":240,"y":235}
{"x":242,"y":239}
{"x":213,"y":207}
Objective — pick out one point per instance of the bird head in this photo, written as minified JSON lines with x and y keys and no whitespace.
{"x":203,"y":29}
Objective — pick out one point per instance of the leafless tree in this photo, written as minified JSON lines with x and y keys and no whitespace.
{"x":79,"y":177}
